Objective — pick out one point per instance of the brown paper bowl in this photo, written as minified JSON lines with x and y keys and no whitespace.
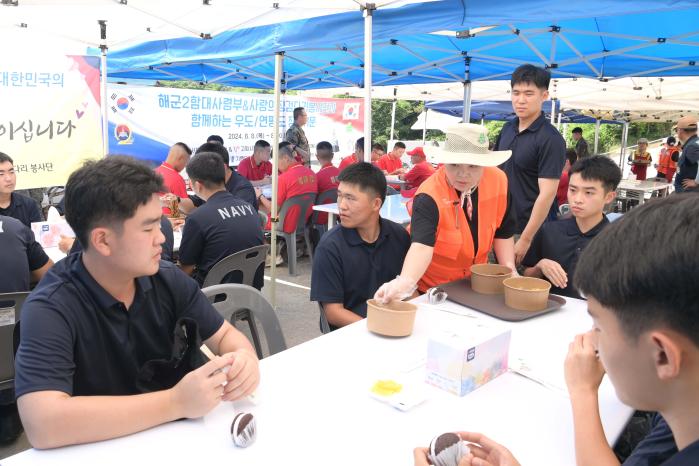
{"x":488,"y":278}
{"x":395,"y":319}
{"x":526,"y":293}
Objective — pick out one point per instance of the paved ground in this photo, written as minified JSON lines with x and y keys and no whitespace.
{"x":297,"y":315}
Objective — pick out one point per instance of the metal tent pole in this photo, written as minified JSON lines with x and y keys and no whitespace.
{"x":103,"y":87}
{"x":624,"y":141}
{"x":393,"y":112}
{"x":466,"y":114}
{"x":424,"y":128}
{"x":368,"y":16}
{"x":278,"y":70}
{"x":597,"y":125}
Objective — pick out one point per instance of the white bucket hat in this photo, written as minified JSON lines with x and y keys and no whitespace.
{"x":467,"y":143}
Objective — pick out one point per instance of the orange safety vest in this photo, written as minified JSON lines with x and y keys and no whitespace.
{"x":453,"y":249}
{"x":666,"y":164}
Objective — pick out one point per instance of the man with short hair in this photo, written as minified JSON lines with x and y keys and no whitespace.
{"x":377,"y":151}
{"x":357,"y":156}
{"x":391,"y":163}
{"x":215,"y":138}
{"x":176,"y":161}
{"x":557,"y":246}
{"x":222,"y":226}
{"x":645,"y":337}
{"x":13,"y":204}
{"x":96,"y":358}
{"x":327,"y":174}
{"x":538,"y":155}
{"x":421,"y":170}
{"x":353,"y":259}
{"x":581,"y":146}
{"x":236,"y":184}
{"x":257,"y":168}
{"x":297,"y":137}
{"x":687,"y":173}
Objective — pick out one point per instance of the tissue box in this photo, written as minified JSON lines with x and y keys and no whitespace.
{"x":461,"y":362}
{"x":48,"y":234}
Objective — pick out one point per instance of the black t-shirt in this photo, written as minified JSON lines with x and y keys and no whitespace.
{"x":23,"y":208}
{"x":222,"y":226}
{"x":563,"y":242}
{"x":237,"y":185}
{"x":348,"y":270}
{"x":19,"y":255}
{"x":537,"y":152}
{"x":78,"y":339}
{"x":688,"y":456}
{"x":168,"y":245}
{"x":688,"y":163}
{"x":656,"y":447}
{"x":425,"y":218}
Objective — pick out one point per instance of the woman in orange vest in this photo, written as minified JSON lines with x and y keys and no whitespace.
{"x":667,"y":165}
{"x":640,"y":159}
{"x":459,"y":214}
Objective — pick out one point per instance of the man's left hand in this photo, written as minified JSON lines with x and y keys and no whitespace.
{"x":689,"y":184}
{"x":243,"y":375}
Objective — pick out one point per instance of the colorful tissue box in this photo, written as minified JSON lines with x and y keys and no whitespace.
{"x":461,"y":362}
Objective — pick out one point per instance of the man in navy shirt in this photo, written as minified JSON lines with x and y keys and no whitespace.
{"x":236,"y":184}
{"x":12,"y":204}
{"x":538,"y":155}
{"x":104,"y":326}
{"x":23,"y":262}
{"x":558,"y":245}
{"x":642,"y":297}
{"x":223,"y":225}
{"x":365,"y":251}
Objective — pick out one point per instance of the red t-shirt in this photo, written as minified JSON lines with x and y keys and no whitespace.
{"x":347,"y":161}
{"x":419,"y":173}
{"x":389,"y":164}
{"x":562,"y":192}
{"x":254,"y":172}
{"x":296,"y":180}
{"x":327,"y":180}
{"x":173,"y":182}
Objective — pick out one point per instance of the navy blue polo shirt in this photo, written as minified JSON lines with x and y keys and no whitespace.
{"x":168,"y":245}
{"x":222,"y":226}
{"x":237,"y":185}
{"x":537,"y":152}
{"x":19,"y":255}
{"x":78,"y":339}
{"x":688,"y":163}
{"x":688,"y":456}
{"x":563,"y":242}
{"x":656,"y":447}
{"x":348,"y":270}
{"x":23,"y":208}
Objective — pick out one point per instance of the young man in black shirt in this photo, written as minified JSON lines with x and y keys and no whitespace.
{"x":101,"y":321}
{"x":538,"y":155}
{"x":12,"y":204}
{"x":557,"y":246}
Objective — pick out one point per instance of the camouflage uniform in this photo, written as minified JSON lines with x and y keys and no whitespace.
{"x":296,"y":136}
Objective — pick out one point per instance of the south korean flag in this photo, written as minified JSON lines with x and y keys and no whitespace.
{"x":350,"y":111}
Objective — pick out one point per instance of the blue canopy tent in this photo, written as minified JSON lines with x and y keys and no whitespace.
{"x":500,"y":110}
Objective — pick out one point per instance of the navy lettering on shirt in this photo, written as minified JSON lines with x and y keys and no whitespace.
{"x":222,"y":226}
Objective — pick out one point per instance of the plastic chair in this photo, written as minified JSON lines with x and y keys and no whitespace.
{"x":247,"y":261}
{"x":7,"y":339}
{"x":304,"y":202}
{"x":246,"y":298}
{"x":326,"y":197}
{"x":323,"y":322}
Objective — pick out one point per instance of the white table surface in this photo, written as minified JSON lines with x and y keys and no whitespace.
{"x":56,"y":254}
{"x":393,"y":209}
{"x":645,"y":185}
{"x":314,"y":408}
{"x":393,"y":179}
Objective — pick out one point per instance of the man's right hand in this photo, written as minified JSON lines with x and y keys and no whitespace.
{"x":554,"y":272}
{"x":486,"y":452}
{"x":201,"y":390}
